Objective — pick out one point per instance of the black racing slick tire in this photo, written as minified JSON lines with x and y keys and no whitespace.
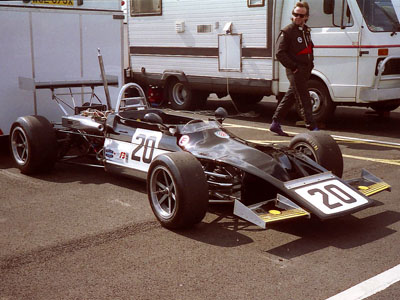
{"x":33,"y":144}
{"x":177,"y":190}
{"x":180,"y":95}
{"x":321,"y":148}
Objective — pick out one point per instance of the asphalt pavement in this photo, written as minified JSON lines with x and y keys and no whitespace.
{"x":81,"y":233}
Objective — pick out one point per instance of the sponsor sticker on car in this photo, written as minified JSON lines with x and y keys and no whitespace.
{"x":184,"y":140}
{"x":222,"y":134}
{"x":138,"y":154}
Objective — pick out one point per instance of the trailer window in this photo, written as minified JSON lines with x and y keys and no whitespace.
{"x":255,"y":3}
{"x":145,"y":7}
{"x":319,"y":19}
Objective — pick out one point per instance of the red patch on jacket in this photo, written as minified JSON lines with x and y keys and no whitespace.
{"x":307,"y":50}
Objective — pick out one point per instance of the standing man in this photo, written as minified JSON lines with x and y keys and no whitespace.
{"x":295,"y":53}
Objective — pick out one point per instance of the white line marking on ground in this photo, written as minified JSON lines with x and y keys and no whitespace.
{"x":371,"y":286}
{"x":336,"y":137}
{"x":395,"y":162}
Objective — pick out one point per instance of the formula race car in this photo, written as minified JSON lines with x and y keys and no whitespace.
{"x":189,"y":163}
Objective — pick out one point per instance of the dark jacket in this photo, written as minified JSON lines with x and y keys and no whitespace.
{"x":295,"y":48}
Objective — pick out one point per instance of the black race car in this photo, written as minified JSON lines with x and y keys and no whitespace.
{"x":189,"y":163}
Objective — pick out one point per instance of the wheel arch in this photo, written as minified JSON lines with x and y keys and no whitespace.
{"x":169,"y":75}
{"x":317,"y":75}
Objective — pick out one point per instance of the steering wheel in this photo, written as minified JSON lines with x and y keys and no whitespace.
{"x":192,"y":122}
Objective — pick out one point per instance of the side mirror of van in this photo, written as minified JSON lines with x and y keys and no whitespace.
{"x":329,"y":6}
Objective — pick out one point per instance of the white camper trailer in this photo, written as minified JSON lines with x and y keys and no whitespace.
{"x":193,"y":48}
{"x":48,"y":45}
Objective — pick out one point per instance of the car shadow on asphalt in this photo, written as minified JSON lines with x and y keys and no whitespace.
{"x":68,"y":173}
{"x":220,"y":228}
{"x":344,"y":233}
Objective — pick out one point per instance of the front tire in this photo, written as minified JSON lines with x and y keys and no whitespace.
{"x":33,"y":144}
{"x":177,"y":190}
{"x":322,"y":105}
{"x":321,"y":148}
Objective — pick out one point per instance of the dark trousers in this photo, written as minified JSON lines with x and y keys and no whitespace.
{"x":297,"y":92}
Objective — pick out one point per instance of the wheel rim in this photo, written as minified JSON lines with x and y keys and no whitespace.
{"x":19,"y":145}
{"x":179,"y":93}
{"x":307,"y":150}
{"x":163,"y":192}
{"x":316,"y":100}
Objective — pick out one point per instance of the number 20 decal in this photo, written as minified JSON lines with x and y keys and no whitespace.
{"x":330,"y":189}
{"x":331,"y":196}
{"x":148,"y":144}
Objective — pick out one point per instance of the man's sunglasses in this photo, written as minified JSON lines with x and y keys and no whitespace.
{"x":298,"y":15}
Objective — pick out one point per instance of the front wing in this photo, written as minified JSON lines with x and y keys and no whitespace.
{"x":323,"y":195}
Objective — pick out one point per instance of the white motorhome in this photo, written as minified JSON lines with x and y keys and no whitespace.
{"x":49,"y":45}
{"x":192,"y":48}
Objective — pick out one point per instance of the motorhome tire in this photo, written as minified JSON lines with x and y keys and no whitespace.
{"x":33,"y":144}
{"x":321,"y":148}
{"x":177,"y":190}
{"x":322,"y":105}
{"x":180,"y":95}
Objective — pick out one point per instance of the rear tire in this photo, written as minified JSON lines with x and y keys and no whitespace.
{"x":33,"y":144}
{"x":177,"y":190}
{"x":180,"y":95}
{"x":321,"y":148}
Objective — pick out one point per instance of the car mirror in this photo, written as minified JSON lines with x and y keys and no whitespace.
{"x":220,"y":114}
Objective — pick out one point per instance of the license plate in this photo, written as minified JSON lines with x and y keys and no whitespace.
{"x":54,"y":2}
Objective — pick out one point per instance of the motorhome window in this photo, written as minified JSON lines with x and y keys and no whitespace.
{"x":145,"y":7}
{"x":255,"y":3}
{"x":318,"y":19}
{"x":342,"y":14}
{"x":379,"y":15}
